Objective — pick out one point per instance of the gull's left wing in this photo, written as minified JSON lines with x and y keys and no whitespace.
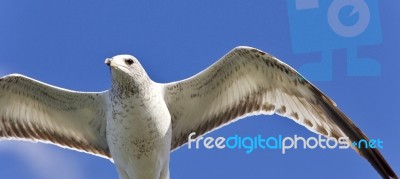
{"x":248,"y":81}
{"x":35,"y":111}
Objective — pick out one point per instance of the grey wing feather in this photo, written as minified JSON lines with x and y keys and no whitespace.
{"x":248,"y":81}
{"x":35,"y":111}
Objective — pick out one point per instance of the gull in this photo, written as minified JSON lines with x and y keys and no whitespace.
{"x":138,"y":122}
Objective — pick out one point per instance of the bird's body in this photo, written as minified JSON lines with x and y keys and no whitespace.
{"x":138,"y":127}
{"x":138,"y":122}
{"x":139,"y":136}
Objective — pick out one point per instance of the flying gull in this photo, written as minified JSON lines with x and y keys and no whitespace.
{"x":138,"y":122}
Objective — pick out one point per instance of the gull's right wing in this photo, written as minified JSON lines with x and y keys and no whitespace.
{"x":248,"y":81}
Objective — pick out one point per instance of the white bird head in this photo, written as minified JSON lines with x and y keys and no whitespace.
{"x":124,"y":63}
{"x":127,"y":69}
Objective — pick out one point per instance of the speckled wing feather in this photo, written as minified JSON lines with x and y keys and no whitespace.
{"x":32,"y":110}
{"x":248,"y":81}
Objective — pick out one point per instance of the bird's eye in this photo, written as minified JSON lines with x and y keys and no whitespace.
{"x":129,"y":61}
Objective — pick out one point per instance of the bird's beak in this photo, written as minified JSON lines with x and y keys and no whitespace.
{"x":108,"y":61}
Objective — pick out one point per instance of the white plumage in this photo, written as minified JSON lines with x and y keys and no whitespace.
{"x":138,"y":122}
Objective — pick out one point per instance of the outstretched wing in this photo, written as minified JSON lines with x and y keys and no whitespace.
{"x":248,"y":81}
{"x":36,"y":111}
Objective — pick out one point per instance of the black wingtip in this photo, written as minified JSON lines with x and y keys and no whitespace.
{"x":373,"y":155}
{"x":386,"y":170}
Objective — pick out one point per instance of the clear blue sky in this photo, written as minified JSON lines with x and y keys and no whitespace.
{"x":65,"y":44}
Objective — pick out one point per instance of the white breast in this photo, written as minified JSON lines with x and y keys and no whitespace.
{"x":139,"y":135}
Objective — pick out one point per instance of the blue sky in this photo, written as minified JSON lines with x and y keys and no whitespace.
{"x":65,"y":44}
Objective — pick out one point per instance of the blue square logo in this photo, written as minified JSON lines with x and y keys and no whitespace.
{"x":322,"y":26}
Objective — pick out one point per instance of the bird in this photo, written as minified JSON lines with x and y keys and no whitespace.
{"x":137,"y":123}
